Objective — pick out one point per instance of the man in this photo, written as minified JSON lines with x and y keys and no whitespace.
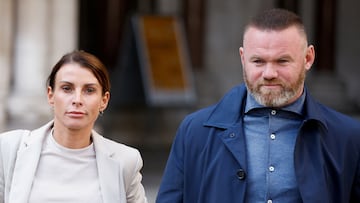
{"x":267,"y":140}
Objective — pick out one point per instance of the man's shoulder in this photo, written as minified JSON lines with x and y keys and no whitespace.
{"x":335,"y":114}
{"x":340,"y":121}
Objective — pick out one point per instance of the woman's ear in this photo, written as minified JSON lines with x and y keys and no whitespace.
{"x":50,"y":96}
{"x":105,"y":101}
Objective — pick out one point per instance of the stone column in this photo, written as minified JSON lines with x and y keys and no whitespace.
{"x":28,"y":99}
{"x":64,"y":28}
{"x":6,"y":22}
{"x":45,"y":30}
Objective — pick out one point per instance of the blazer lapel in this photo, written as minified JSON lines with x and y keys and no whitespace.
{"x":109,"y":171}
{"x":25,"y":167}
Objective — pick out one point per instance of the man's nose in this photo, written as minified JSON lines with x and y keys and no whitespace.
{"x":270,"y":71}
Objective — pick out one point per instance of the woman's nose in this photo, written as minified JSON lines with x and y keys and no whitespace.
{"x":77,"y":100}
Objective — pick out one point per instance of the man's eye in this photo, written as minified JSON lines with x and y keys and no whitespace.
{"x":258,"y":61}
{"x":283,"y":61}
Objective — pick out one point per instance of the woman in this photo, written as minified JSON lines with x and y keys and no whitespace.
{"x":66,"y":160}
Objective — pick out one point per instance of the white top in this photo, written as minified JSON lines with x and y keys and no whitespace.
{"x":66,"y":175}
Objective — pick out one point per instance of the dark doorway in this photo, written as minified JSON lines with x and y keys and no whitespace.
{"x":101,"y":27}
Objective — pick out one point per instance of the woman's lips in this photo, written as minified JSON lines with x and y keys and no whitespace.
{"x":76,"y":114}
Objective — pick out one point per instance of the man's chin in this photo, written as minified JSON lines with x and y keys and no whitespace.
{"x":271,"y":100}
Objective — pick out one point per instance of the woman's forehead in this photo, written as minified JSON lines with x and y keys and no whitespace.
{"x":75,"y":72}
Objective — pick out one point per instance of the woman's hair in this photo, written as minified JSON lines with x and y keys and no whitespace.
{"x":85,"y":60}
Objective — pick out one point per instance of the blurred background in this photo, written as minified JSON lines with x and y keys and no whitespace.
{"x":166,"y":58}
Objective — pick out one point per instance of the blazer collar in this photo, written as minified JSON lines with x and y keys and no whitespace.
{"x":27,"y":160}
{"x":108,"y":169}
{"x":28,"y":157}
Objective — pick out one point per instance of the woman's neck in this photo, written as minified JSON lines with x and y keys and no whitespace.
{"x":73,"y":139}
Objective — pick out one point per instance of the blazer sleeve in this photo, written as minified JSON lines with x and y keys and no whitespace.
{"x":2,"y":178}
{"x":9,"y":145}
{"x":135,"y":190}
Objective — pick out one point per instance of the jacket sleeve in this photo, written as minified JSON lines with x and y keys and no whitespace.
{"x":2,"y":181}
{"x":355,"y":194}
{"x":172,"y":186}
{"x":9,"y":144}
{"x":136,"y":192}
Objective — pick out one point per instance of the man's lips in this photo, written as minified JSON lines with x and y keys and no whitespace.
{"x":271,"y":85}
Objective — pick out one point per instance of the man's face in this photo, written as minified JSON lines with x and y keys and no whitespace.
{"x":275,"y":64}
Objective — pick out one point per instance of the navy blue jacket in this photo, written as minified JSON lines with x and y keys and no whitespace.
{"x":207,"y":162}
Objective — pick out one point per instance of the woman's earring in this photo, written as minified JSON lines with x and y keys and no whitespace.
{"x":101,"y":112}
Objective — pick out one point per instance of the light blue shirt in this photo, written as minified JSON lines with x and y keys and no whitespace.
{"x":270,"y":135}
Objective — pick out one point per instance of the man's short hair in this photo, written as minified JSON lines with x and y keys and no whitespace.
{"x":276,"y":19}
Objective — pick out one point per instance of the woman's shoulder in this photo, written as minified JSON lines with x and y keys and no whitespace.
{"x":13,"y":135}
{"x":120,"y":147}
{"x":115,"y":149}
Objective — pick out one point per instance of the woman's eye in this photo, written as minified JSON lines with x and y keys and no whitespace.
{"x":90,"y":90}
{"x":66,"y":88}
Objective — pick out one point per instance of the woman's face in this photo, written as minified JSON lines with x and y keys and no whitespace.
{"x":77,"y":98}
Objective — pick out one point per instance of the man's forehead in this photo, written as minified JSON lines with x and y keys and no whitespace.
{"x":290,"y":35}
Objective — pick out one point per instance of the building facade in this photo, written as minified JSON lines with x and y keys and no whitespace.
{"x":36,"y":33}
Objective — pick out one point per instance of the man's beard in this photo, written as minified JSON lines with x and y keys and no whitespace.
{"x":275,"y":98}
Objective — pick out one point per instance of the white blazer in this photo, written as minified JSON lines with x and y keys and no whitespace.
{"x":118,"y":166}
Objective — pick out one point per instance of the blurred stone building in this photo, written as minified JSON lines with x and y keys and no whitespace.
{"x":34,"y":34}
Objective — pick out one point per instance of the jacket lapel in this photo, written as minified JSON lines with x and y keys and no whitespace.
{"x":235,"y":143}
{"x":227,"y":115}
{"x":109,"y":172}
{"x":26,"y":163}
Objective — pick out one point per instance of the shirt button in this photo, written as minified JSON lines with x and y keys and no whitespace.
{"x":269,"y":201}
{"x":273,"y":112}
{"x":271,"y":168}
{"x":272,"y":136}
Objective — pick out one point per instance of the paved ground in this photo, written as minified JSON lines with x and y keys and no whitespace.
{"x":154,"y":163}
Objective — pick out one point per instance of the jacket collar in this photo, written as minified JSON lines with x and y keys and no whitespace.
{"x":231,"y":107}
{"x":27,"y":160}
{"x":106,"y":164}
{"x":229,"y":110}
{"x":29,"y":155}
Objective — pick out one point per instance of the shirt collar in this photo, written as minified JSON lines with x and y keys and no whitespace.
{"x":295,"y":107}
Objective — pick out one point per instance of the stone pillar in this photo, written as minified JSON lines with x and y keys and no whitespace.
{"x":6,"y":22}
{"x":28,"y":99}
{"x":64,"y":28}
{"x":45,"y":30}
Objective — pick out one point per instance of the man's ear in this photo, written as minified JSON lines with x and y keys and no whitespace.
{"x":310,"y":57}
{"x":241,"y":53}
